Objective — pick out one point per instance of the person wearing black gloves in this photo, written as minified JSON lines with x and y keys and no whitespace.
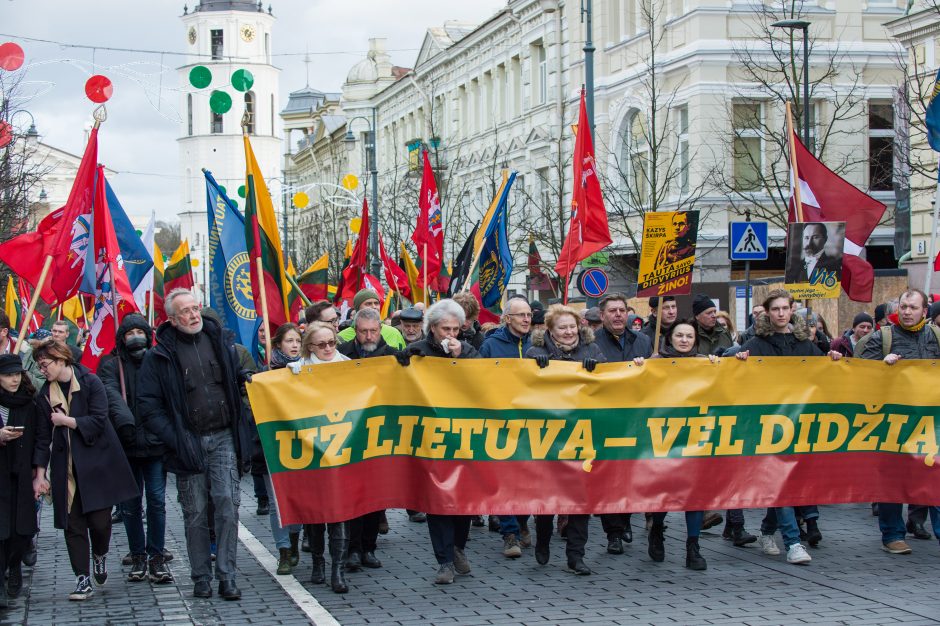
{"x":24,"y":453}
{"x":565,"y":339}
{"x":442,"y":323}
{"x":118,"y":371}
{"x":89,"y":471}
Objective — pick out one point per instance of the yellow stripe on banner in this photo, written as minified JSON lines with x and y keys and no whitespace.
{"x":518,"y":384}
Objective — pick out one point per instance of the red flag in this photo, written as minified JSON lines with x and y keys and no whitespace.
{"x":430,"y":228}
{"x":36,"y":322}
{"x":588,"y":231}
{"x":114,"y":297}
{"x":26,"y":253}
{"x":936,"y":264}
{"x":371,"y":282}
{"x":358,"y":262}
{"x":826,"y":197}
{"x":394,"y":275}
{"x":72,"y":236}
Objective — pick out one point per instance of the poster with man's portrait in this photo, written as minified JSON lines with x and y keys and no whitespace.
{"x":667,"y":255}
{"x":814,"y":259}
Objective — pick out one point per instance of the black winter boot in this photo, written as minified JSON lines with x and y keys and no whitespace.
{"x":294,"y":549}
{"x":314,"y":534}
{"x":339,"y":545}
{"x":813,"y":536}
{"x":693,"y":558}
{"x":657,"y":549}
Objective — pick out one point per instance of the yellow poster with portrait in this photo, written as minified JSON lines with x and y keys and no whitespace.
{"x":667,"y":254}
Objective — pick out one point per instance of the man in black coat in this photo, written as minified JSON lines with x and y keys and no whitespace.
{"x":189,"y":397}
{"x":119,"y":373}
{"x":364,"y":530}
{"x":619,"y":344}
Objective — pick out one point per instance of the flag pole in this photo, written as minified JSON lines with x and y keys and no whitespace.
{"x":933,"y":240}
{"x":424,"y":267}
{"x":793,"y":166}
{"x":149,"y":307}
{"x":81,"y":303}
{"x":659,"y":324}
{"x":264,"y":312}
{"x":33,"y":302}
{"x":294,"y":284}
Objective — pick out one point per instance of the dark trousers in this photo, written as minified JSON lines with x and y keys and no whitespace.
{"x":364,"y":532}
{"x":734,"y":517}
{"x":151,"y":480}
{"x":86,"y":531}
{"x":11,"y":554}
{"x":448,"y":532}
{"x":693,"y":522}
{"x":917,"y":513}
{"x":261,"y":488}
{"x":577,"y":533}
{"x":614,"y":523}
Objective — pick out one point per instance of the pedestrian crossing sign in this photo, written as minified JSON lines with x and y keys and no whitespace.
{"x":747,"y":241}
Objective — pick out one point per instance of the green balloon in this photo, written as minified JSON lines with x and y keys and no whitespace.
{"x":242,"y":80}
{"x":241,"y":191}
{"x":220,"y":102}
{"x":200,"y":77}
{"x":223,"y":189}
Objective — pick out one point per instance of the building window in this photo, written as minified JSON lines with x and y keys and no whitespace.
{"x":634,"y":159}
{"x":216,"y":41}
{"x":543,"y":75}
{"x":747,"y":146}
{"x":515,"y":67}
{"x":683,"y":113}
{"x":538,"y":65}
{"x":880,"y":146}
{"x":250,"y":111}
{"x":273,"y":133}
{"x":216,"y":123}
{"x":267,"y":48}
{"x":189,"y":114}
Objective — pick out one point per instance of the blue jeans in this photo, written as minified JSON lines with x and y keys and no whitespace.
{"x":220,"y":482}
{"x":150,"y":480}
{"x":783,"y":518}
{"x":693,"y":522}
{"x":512,"y":524}
{"x":281,"y":533}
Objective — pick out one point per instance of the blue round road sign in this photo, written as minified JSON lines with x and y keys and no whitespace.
{"x":593,"y":282}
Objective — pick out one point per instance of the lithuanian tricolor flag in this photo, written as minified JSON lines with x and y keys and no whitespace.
{"x":179,"y":270}
{"x":264,"y":243}
{"x":414,"y":276}
{"x":313,"y":282}
{"x":12,"y":305}
{"x":158,"y":315}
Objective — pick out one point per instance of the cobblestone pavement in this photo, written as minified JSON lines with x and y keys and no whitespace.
{"x":850,"y":581}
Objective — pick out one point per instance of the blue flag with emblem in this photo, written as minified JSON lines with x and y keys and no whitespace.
{"x":229,"y":278}
{"x":137,"y":260}
{"x":495,"y":265}
{"x":932,"y":116}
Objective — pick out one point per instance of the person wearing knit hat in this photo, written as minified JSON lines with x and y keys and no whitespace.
{"x":862,"y":325}
{"x":713,"y":338}
{"x":934,"y":313}
{"x":880,"y":313}
{"x":369,"y":299}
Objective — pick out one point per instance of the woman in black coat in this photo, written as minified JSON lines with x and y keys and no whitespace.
{"x":564,"y":339}
{"x":89,"y":471}
{"x":24,"y":452}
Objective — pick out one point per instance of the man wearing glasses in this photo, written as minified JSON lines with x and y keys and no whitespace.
{"x":189,"y":397}
{"x":511,"y":341}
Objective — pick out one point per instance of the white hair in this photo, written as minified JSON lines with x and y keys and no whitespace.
{"x":168,"y":306}
{"x":439,"y":310}
{"x":366,"y":315}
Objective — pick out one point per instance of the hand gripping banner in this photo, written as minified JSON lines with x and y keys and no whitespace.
{"x":502,"y":436}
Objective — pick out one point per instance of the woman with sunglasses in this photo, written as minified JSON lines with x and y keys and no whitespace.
{"x":88,"y":470}
{"x":318,"y":347}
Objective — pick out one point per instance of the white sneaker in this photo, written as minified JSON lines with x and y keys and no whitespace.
{"x":797,"y":554}
{"x":768,"y":545}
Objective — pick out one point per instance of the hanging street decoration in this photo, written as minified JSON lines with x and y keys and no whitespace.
{"x":242,"y":80}
{"x":200,"y":77}
{"x":99,"y":89}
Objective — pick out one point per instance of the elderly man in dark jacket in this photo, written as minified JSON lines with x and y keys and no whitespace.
{"x":619,"y":344}
{"x":119,"y":373}
{"x":512,"y":338}
{"x":713,"y":338}
{"x":189,"y":397}
{"x":911,"y":338}
{"x":364,"y":530}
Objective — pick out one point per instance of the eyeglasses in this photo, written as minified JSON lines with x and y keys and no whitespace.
{"x":188,"y":311}
{"x":325,"y":344}
{"x":44,"y":364}
{"x":522,"y":315}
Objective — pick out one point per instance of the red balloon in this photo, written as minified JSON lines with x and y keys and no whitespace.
{"x":11,"y":56}
{"x":6,"y":134}
{"x":98,"y":88}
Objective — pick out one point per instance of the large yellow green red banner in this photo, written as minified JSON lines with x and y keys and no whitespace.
{"x":503,"y":436}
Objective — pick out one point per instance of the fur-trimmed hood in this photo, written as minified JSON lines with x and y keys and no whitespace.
{"x":586,"y":336}
{"x":763,"y":327}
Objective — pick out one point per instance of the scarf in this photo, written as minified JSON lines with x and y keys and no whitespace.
{"x":279,"y":359}
{"x":58,"y":399}
{"x":915,"y":328}
{"x":15,"y":400}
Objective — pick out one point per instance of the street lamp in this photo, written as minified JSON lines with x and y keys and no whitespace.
{"x":371,"y":157}
{"x":803,"y":25}
{"x":586,"y":17}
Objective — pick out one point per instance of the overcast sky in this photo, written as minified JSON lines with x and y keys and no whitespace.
{"x":139,"y":139}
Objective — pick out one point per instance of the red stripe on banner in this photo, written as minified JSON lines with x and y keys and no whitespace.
{"x":563,"y":487}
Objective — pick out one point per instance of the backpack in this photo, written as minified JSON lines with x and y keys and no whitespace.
{"x":886,"y":340}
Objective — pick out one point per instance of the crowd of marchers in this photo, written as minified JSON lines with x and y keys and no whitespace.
{"x":97,"y":447}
